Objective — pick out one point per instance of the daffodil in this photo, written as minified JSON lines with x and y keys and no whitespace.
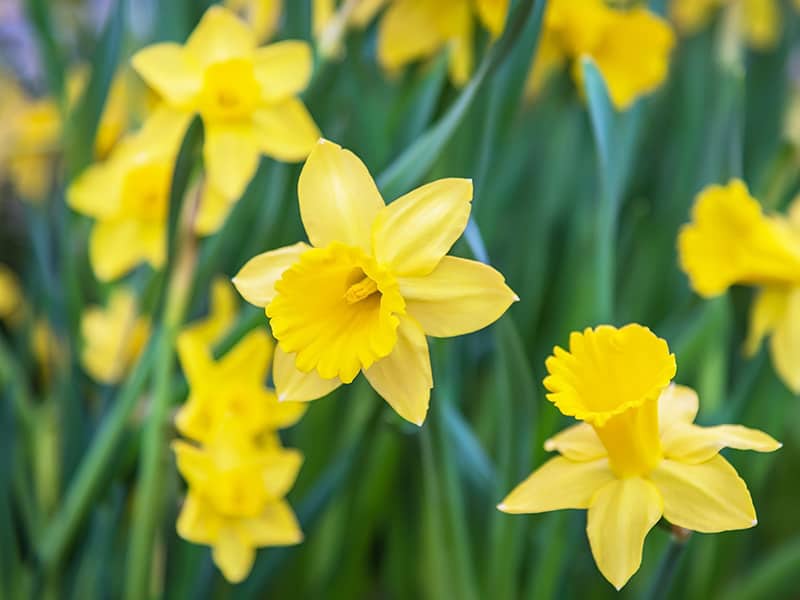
{"x":637,"y":456}
{"x":411,"y":30}
{"x":235,"y":502}
{"x":245,"y":95}
{"x":731,"y":241}
{"x":631,"y":47}
{"x":262,"y":15}
{"x":221,"y":316}
{"x":373,"y":283}
{"x":12,"y":301}
{"x":232,"y":389}
{"x":758,"y":21}
{"x":128,"y":196}
{"x":113,"y":337}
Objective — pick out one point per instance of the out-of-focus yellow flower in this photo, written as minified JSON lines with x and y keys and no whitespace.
{"x":375,"y":282}
{"x":221,"y":316}
{"x":638,"y":456}
{"x":236,"y":496}
{"x":114,"y":337}
{"x":330,"y":23}
{"x":730,"y":241}
{"x":631,"y":47}
{"x":758,"y":21}
{"x":262,"y":15}
{"x":245,"y":95}
{"x":11,"y":298}
{"x":48,"y":349}
{"x":232,"y":389}
{"x":128,"y":196}
{"x":411,"y":30}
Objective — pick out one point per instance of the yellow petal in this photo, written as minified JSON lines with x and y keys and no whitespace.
{"x":762,"y":23}
{"x":281,"y":415}
{"x":767,"y":311}
{"x":232,"y":555}
{"x":231,"y":154}
{"x":281,"y":471}
{"x":709,"y":497}
{"x":214,"y":209}
{"x":249,"y":359}
{"x":116,"y":247}
{"x":633,"y":55}
{"x":460,"y":296}
{"x":493,"y":15}
{"x":275,"y":526}
{"x":558,"y":484}
{"x":171,"y":71}
{"x":731,"y":241}
{"x":407,"y":33}
{"x":283,"y":69}
{"x":220,"y":35}
{"x":195,"y":357}
{"x":292,"y":385}
{"x":694,"y":444}
{"x":256,"y":279}
{"x":404,"y":377}
{"x":95,"y":192}
{"x":677,"y":403}
{"x":194,"y":464}
{"x":338,"y":197}
{"x":414,"y":232}
{"x":198,"y":522}
{"x":285,"y":130}
{"x":578,"y":443}
{"x":621,"y":514}
{"x":785,"y":343}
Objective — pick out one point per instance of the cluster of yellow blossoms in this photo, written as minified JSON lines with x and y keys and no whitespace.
{"x":236,"y":469}
{"x":376,"y":280}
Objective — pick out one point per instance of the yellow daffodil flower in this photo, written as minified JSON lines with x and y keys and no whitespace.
{"x":637,"y":456}
{"x":12,"y":301}
{"x":262,"y":15}
{"x":113,"y":337}
{"x":731,"y":241}
{"x":375,"y":281}
{"x":231,"y":389}
{"x":221,"y":316}
{"x":758,"y":21}
{"x":411,"y":30}
{"x":128,"y":196}
{"x":245,"y":95}
{"x":631,"y":47}
{"x":235,"y":502}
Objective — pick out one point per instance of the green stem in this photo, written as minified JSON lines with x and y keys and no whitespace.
{"x":91,"y":472}
{"x":668,"y":568}
{"x":149,"y":502}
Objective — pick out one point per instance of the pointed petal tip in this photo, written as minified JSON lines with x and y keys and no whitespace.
{"x":754,"y":522}
{"x":501,"y":507}
{"x":516,"y":298}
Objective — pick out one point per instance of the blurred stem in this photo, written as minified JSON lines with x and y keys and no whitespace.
{"x":668,"y":568}
{"x":605,"y":262}
{"x":149,"y":501}
{"x":92,"y":470}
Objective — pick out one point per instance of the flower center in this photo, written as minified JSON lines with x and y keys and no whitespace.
{"x":336,"y":310}
{"x":230,"y":90}
{"x":145,"y":193}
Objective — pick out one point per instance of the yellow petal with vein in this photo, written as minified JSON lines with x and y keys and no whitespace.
{"x":708,"y":497}
{"x":694,"y":444}
{"x":558,"y":484}
{"x":677,"y":403}
{"x":578,"y":442}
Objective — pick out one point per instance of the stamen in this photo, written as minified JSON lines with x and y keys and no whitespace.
{"x":358,"y":291}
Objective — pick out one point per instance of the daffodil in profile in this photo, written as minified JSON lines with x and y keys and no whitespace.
{"x":232,"y":388}
{"x":757,"y":21}
{"x":630,"y":46}
{"x":246,"y":95}
{"x":731,"y":241}
{"x":236,"y":499}
{"x":128,"y":197}
{"x":113,"y":337}
{"x":637,"y":456}
{"x":374,"y":282}
{"x":411,"y":30}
